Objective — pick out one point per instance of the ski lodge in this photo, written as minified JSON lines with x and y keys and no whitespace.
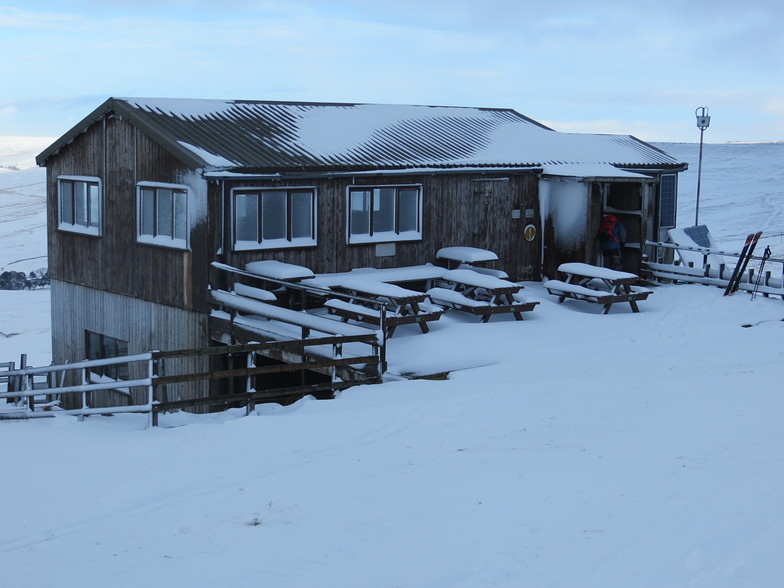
{"x":156,"y":205}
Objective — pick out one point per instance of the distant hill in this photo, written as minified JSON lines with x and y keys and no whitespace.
{"x":742,"y":191}
{"x":18,"y":153}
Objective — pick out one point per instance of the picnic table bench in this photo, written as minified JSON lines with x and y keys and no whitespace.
{"x":479,"y":294}
{"x":597,"y":285}
{"x":400,"y":305}
{"x":305,"y":321}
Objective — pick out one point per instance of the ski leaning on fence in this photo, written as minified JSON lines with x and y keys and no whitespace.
{"x":745,"y":255}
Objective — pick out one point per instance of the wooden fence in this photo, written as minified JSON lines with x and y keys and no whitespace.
{"x":769,"y":282}
{"x":37,"y":391}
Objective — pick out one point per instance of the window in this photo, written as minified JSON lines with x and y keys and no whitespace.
{"x":274,"y":218}
{"x":163,"y":215}
{"x":384,"y":213}
{"x":80,"y":204}
{"x":102,"y":347}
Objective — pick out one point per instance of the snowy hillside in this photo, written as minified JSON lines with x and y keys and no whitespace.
{"x":571,"y":449}
{"x":741,"y":190}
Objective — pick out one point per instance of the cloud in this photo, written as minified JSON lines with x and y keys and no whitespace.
{"x":17,"y":19}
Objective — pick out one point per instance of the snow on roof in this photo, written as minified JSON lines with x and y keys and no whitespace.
{"x":277,"y":137}
{"x":183,"y":108}
{"x":210,"y":159}
{"x":588,"y":170}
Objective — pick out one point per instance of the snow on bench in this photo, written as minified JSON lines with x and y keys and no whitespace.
{"x":301,"y":319}
{"x":496,"y":273}
{"x":414,"y":273}
{"x":257,"y":293}
{"x":334,"y":304}
{"x":376,"y":288}
{"x":483,"y":308}
{"x":454,"y":299}
{"x":559,"y":287}
{"x":477,"y":280}
{"x":593,"y":271}
{"x":352,"y":311}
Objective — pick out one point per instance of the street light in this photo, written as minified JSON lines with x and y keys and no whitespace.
{"x":703,"y":122}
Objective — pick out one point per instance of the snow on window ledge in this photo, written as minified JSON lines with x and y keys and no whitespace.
{"x":274,"y":244}
{"x":386,"y":237}
{"x":162,"y":241}
{"x":81,"y":229}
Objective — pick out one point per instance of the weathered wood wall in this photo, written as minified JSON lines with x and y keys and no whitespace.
{"x":458,"y":209}
{"x":121,"y":156}
{"x":144,"y":325}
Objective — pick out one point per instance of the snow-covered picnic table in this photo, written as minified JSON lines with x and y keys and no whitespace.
{"x":598,"y":285}
{"x":393,"y":275}
{"x":400,"y":305}
{"x":480,"y":294}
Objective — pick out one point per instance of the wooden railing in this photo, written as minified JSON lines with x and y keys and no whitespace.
{"x":27,"y":390}
{"x":768,"y":283}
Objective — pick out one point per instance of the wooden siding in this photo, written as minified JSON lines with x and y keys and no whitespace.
{"x":458,"y":209}
{"x":144,"y":325}
{"x":121,"y":156}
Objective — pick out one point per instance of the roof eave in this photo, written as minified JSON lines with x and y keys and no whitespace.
{"x":122,"y":108}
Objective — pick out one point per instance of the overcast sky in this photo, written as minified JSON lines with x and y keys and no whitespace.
{"x":608,"y":67}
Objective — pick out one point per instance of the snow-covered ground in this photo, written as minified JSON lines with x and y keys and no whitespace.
{"x":570,"y":449}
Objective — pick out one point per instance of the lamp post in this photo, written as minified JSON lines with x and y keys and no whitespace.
{"x":703,"y":122}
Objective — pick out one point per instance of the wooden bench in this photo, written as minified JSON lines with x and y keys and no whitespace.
{"x":481,"y":308}
{"x":364,"y":314}
{"x":305,"y":321}
{"x":566,"y":290}
{"x":256,"y":293}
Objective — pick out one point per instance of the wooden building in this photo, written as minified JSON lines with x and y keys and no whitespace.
{"x":144,"y":194}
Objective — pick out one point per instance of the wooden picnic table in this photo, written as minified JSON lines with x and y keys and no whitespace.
{"x":598,"y":285}
{"x":400,"y":305}
{"x":479,"y":294}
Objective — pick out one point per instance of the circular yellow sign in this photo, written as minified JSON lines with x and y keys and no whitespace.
{"x":529,"y":232}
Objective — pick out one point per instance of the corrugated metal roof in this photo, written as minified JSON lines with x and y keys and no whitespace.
{"x":280,"y":137}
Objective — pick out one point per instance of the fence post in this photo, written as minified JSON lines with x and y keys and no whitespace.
{"x":85,"y":381}
{"x":28,"y":401}
{"x":153,"y":419}
{"x":250,"y":405}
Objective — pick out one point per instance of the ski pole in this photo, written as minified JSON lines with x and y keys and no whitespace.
{"x":765,"y":257}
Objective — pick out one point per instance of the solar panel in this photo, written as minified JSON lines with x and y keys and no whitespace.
{"x":699,"y":235}
{"x":668,"y":201}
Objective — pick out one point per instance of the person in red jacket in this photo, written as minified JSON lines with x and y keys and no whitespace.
{"x":612,"y":236}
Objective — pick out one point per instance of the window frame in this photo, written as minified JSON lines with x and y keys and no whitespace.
{"x":289,"y":240}
{"x":162,"y":239}
{"x":113,"y":372}
{"x":94,"y":229}
{"x":384,"y":236}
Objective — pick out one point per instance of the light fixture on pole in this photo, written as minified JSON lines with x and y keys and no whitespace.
{"x":703,"y":122}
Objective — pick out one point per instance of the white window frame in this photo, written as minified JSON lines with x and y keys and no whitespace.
{"x":91,"y":228}
{"x":162,"y":240}
{"x":288,"y":241}
{"x":374,"y":236}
